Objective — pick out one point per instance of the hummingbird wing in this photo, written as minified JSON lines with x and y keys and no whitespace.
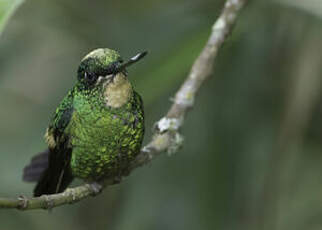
{"x":58,"y":174}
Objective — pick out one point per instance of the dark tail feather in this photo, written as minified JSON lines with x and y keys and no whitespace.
{"x":38,"y":164}
{"x":52,"y":177}
{"x":53,"y":181}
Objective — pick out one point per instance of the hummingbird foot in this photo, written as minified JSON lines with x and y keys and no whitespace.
{"x":49,"y":204}
{"x":96,"y":188}
{"x":23,"y":202}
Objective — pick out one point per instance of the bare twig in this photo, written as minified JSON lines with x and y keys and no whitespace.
{"x":166,"y":136}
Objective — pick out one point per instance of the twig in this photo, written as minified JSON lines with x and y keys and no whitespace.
{"x":166,"y":136}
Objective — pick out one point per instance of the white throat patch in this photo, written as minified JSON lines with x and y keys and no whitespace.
{"x":118,"y":92}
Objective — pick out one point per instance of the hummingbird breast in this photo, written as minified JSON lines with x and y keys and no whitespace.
{"x":105,"y":139}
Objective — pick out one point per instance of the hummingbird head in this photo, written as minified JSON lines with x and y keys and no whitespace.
{"x":105,"y":69}
{"x":101,"y":65}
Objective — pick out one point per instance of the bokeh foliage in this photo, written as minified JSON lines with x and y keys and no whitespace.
{"x":252,"y":155}
{"x":7,"y":8}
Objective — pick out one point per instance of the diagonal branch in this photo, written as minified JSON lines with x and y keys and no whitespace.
{"x":166,"y":136}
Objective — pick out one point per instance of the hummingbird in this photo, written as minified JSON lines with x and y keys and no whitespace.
{"x":96,"y":131}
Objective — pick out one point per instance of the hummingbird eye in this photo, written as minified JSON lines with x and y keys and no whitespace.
{"x":90,"y":77}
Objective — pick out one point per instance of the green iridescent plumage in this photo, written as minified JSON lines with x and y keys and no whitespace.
{"x":98,"y":128}
{"x":105,"y":139}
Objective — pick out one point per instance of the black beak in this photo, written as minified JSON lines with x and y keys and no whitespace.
{"x":132,"y":60}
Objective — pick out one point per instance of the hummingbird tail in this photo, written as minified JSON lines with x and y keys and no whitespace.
{"x":52,"y":177}
{"x":53,"y":182}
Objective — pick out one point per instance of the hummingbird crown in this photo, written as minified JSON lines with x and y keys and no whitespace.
{"x":98,"y":63}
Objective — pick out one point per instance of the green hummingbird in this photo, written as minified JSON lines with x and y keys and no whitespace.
{"x":97,"y":129}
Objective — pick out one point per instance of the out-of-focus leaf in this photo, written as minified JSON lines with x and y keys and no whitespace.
{"x":7,"y":8}
{"x":312,"y":6}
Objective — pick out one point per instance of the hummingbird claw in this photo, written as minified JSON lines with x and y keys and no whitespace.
{"x":23,"y":202}
{"x":49,"y":203}
{"x":96,"y":188}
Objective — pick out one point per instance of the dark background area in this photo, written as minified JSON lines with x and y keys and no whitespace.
{"x":252,"y":154}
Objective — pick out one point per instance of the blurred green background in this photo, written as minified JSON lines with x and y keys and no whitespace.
{"x":252,"y":154}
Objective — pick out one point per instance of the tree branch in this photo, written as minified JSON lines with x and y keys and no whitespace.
{"x":166,"y":136}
